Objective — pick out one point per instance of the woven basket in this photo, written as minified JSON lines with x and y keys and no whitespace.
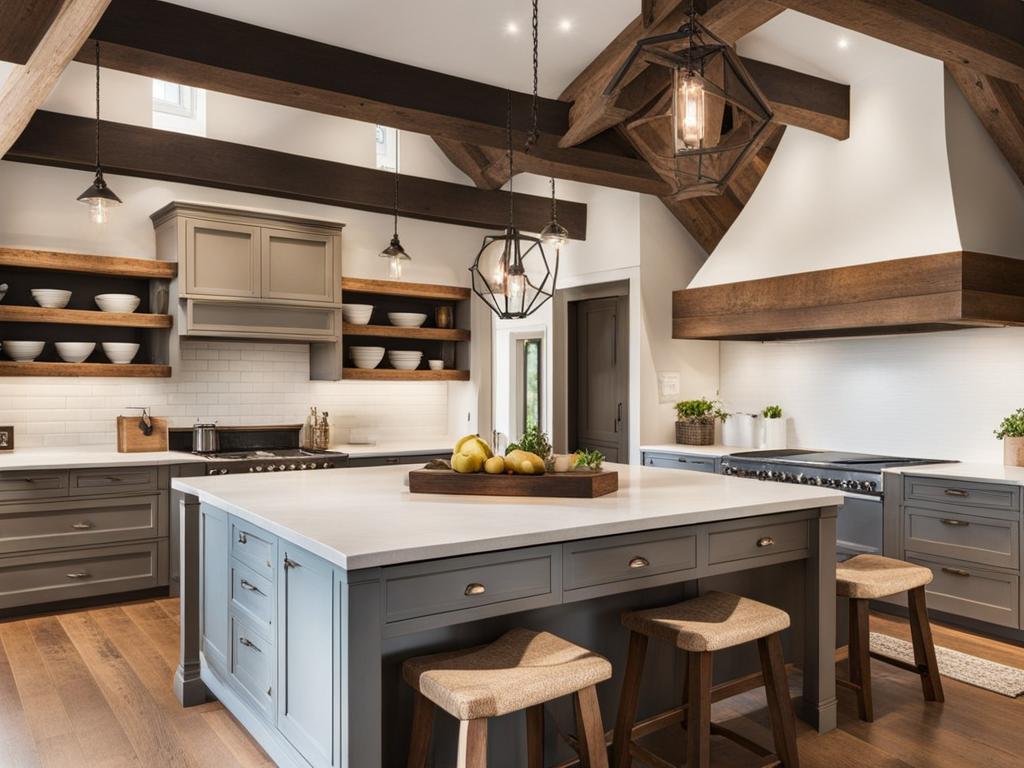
{"x":699,"y":430}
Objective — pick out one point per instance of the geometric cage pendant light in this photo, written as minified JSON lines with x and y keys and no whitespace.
{"x":710,"y":120}
{"x":99,"y":197}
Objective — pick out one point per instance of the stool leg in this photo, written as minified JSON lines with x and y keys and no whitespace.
{"x":422,"y":728}
{"x":686,"y":691}
{"x":698,"y":732}
{"x":780,"y":707}
{"x":473,"y":743}
{"x":628,"y":699}
{"x":590,"y":730}
{"x":535,"y":737}
{"x":860,"y":658}
{"x":924,"y":646}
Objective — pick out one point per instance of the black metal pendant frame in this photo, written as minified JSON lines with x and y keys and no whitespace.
{"x":537,"y":291}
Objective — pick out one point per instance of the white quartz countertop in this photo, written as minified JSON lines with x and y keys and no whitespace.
{"x":396,"y":447}
{"x":363,"y":518}
{"x":983,"y":472}
{"x":24,"y":459}
{"x":696,"y":450}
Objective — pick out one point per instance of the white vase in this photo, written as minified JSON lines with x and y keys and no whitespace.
{"x":773,"y":434}
{"x":740,"y":430}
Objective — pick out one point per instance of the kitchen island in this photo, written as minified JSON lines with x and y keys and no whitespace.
{"x":302,"y":593}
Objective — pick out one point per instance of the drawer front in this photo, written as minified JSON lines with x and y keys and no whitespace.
{"x":254,"y":547}
{"x":623,"y":558}
{"x":763,"y":540}
{"x":77,"y":523}
{"x":681,"y":461}
{"x":464,"y":583}
{"x":975,"y":593}
{"x":384,"y":461}
{"x":90,"y":482}
{"x":252,"y":596}
{"x":973,"y":538}
{"x":965,"y":494}
{"x":43,"y":578}
{"x":44,"y":484}
{"x":253,"y":662}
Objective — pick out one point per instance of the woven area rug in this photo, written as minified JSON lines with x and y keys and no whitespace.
{"x":999,"y":678}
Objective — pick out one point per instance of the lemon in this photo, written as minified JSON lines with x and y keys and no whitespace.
{"x":494,"y":465}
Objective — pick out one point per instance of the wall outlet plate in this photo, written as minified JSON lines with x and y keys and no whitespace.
{"x":6,"y":438}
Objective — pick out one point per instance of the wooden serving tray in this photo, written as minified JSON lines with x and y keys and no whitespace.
{"x":565,"y":485}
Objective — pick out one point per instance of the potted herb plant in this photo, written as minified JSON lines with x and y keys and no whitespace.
{"x":695,"y":421}
{"x":1011,"y":432}
{"x":774,"y":430}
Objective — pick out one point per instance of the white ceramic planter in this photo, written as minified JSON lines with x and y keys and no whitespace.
{"x":1013,"y":451}
{"x":773,"y":434}
{"x":741,"y":430}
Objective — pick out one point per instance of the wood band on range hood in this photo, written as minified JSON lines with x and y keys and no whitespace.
{"x":943,"y":291}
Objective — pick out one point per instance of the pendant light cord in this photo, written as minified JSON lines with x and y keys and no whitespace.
{"x":97,"y":106}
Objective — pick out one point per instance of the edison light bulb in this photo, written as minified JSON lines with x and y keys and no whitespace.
{"x":395,"y":268}
{"x":516,"y":286}
{"x":499,"y":276}
{"x":98,"y":211}
{"x":689,"y":113}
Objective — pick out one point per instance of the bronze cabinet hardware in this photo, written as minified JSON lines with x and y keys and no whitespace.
{"x":77,"y":575}
{"x":289,"y":563}
{"x":249,"y":644}
{"x":961,"y":523}
{"x":82,"y":526}
{"x":956,"y":492}
{"x":639,"y":562}
{"x":956,"y":571}
{"x":249,"y":586}
{"x":242,"y":538}
{"x":766,"y":541}
{"x":475,"y":589}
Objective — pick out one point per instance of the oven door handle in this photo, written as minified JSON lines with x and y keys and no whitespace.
{"x":864,"y":496}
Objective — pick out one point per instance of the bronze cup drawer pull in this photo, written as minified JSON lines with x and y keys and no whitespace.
{"x":249,"y":586}
{"x":242,"y":538}
{"x":82,"y":526}
{"x":77,"y":575}
{"x":956,"y":492}
{"x":639,"y":562}
{"x":766,"y":541}
{"x":960,"y":523}
{"x":956,"y":571}
{"x":250,"y":644}
{"x":475,"y":589}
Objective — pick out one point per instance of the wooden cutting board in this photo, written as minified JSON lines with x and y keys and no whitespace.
{"x":565,"y":485}
{"x":131,"y":440}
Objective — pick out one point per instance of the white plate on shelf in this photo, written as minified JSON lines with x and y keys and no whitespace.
{"x":407,"y":319}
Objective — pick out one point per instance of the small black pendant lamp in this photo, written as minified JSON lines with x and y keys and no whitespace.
{"x":99,"y":197}
{"x":554,"y":234}
{"x":395,"y":253}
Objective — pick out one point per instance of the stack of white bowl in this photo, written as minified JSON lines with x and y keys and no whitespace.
{"x":407,"y":319}
{"x":356,"y":314}
{"x":366,"y":357}
{"x":404,"y":360}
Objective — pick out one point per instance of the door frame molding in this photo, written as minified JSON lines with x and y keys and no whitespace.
{"x":560,"y":354}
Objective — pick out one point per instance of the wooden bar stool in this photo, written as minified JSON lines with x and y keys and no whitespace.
{"x":712,"y":622}
{"x":521,"y":670}
{"x":867,"y":577}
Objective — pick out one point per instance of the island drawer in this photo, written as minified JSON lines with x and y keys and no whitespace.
{"x":253,"y":664}
{"x":50,"y":576}
{"x":986,"y":539}
{"x":965,"y":590}
{"x":758,"y":539}
{"x":80,"y":522}
{"x":90,"y":482}
{"x":254,"y":547}
{"x":42,"y":484}
{"x":962,"y":493}
{"x":252,"y":596}
{"x":626,"y":558}
{"x":692,"y":462}
{"x":518,"y":579}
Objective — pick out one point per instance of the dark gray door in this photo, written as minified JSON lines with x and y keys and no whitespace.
{"x":600,"y":356}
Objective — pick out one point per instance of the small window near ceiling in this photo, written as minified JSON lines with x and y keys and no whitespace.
{"x":530,"y":354}
{"x":387,"y":148}
{"x":180,"y":108}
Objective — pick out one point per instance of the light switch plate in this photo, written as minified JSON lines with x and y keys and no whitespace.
{"x":669,"y":386}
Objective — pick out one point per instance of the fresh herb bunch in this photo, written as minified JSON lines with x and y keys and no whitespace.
{"x":534,"y":441}
{"x":591,"y":459}
{"x":772,"y":412}
{"x":700,"y":409}
{"x":1012,"y":425}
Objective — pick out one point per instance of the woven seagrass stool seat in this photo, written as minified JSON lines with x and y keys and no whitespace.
{"x":712,"y":622}
{"x":867,"y":577}
{"x":521,"y":670}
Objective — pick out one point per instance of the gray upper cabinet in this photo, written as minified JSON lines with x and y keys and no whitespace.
{"x":221,"y":259}
{"x":298,"y":266}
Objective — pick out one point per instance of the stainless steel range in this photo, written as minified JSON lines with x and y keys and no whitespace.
{"x":859,"y":476}
{"x":273,"y":460}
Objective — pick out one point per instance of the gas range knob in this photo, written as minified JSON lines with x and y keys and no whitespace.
{"x":211,"y":472}
{"x":282,"y":467}
{"x":259,"y":468}
{"x":868,"y":485}
{"x":800,"y":478}
{"x":326,"y":465}
{"x":271,"y":467}
{"x":292,"y":467}
{"x":816,"y":481}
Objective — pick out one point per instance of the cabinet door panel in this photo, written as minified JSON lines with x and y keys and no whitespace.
{"x":214,"y":618}
{"x":298,"y":266}
{"x":222,"y":259}
{"x":306,"y":654}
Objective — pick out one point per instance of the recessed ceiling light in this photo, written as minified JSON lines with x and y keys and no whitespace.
{"x":512,"y":28}
{"x":565,"y":25}
{"x":843,"y":43}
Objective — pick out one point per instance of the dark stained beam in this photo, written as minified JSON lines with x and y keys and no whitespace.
{"x":984,"y":35}
{"x":1000,"y":107}
{"x":171,"y":42}
{"x":22,"y":25}
{"x":68,"y":142}
{"x":483,"y":165}
{"x":803,"y":101}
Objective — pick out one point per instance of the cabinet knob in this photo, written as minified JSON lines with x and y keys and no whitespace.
{"x":475,"y":589}
{"x":82,"y":526}
{"x":639,"y":562}
{"x":766,"y":541}
{"x":77,"y":575}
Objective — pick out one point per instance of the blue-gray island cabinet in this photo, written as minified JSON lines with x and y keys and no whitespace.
{"x":302,"y":593}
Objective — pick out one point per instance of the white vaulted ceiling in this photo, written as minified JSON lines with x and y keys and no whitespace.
{"x":467,"y":38}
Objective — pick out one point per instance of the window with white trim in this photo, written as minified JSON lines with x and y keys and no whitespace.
{"x":387,"y":148}
{"x":180,"y":108}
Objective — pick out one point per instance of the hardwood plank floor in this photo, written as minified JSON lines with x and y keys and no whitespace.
{"x":92,"y":688}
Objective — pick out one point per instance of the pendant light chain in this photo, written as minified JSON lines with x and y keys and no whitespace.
{"x":97,"y":105}
{"x":508,"y":149}
{"x":554,"y":202}
{"x":398,"y":149}
{"x":534,"y":133}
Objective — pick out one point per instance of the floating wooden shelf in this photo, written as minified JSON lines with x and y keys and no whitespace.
{"x":133,"y":370}
{"x":396,"y":332}
{"x":389,"y":374}
{"x":408,"y":290}
{"x":19,"y":314}
{"x":95,"y":265}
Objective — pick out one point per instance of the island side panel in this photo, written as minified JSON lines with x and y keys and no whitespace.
{"x":188,"y":688}
{"x":820,"y":706}
{"x":362,"y":619}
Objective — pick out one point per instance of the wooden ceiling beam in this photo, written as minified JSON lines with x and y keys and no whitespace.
{"x":478,"y":163}
{"x":171,"y":42}
{"x":1000,"y":107}
{"x":987,"y":36}
{"x":22,"y":25}
{"x":67,"y":141}
{"x":28,"y":86}
{"x":803,"y":101}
